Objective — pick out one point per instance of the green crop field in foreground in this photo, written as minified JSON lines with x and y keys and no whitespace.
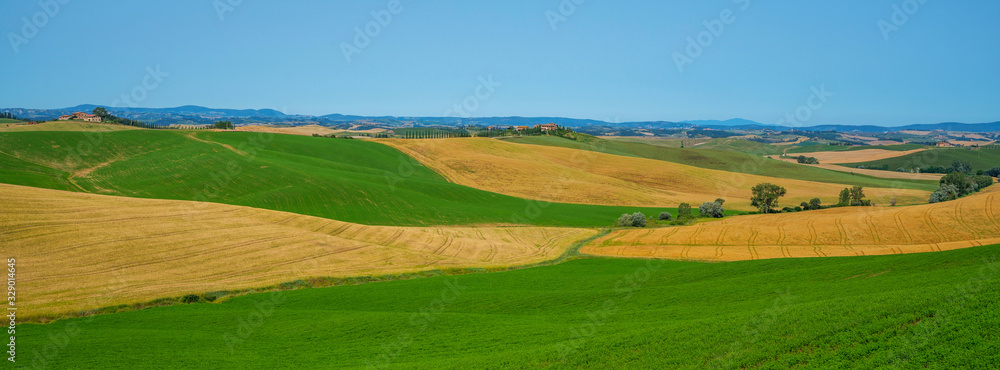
{"x":348,"y":180}
{"x":732,"y":161}
{"x":906,"y":311}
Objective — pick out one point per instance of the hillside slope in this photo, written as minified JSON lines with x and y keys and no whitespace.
{"x":850,"y":231}
{"x":84,"y":251}
{"x":579,"y":176}
{"x":935,"y":310}
{"x":731,"y":155}
{"x":348,"y":180}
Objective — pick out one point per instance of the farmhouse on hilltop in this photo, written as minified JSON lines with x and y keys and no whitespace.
{"x":548,"y":127}
{"x":944,"y":144}
{"x":81,"y":116}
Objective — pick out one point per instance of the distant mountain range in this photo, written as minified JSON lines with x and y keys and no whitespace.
{"x":195,"y":115}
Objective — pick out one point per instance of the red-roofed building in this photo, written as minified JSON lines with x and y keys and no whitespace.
{"x":85,"y":116}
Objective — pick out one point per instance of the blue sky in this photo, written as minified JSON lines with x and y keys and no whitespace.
{"x":608,"y":60}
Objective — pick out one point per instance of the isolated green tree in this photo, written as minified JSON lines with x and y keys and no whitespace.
{"x":765,"y":196}
{"x":814,"y":203}
{"x":857,"y":195}
{"x":683,"y":211}
{"x":665,"y":216}
{"x":844,"y":199}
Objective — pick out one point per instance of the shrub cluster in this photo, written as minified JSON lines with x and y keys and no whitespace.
{"x":806,"y":160}
{"x":813,"y":204}
{"x":956,"y":166}
{"x":959,"y":184}
{"x":712,"y":209}
{"x":634,"y":220}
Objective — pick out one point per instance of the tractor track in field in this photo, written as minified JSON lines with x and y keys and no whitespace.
{"x":718,"y":241}
{"x":227,"y":146}
{"x":990,"y":214}
{"x":638,"y":240}
{"x":932,"y":226}
{"x":781,"y":242}
{"x":610,"y":240}
{"x":814,"y":239}
{"x":691,"y":238}
{"x":686,"y":251}
{"x":667,"y":235}
{"x":902,"y":228}
{"x":493,"y":247}
{"x":872,"y":230}
{"x":444,"y":246}
{"x":839,"y":222}
{"x":961,"y":221}
{"x":395,"y":236}
{"x":750,"y":243}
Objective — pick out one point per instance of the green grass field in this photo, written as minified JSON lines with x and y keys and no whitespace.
{"x":733,"y":161}
{"x":347,"y":180}
{"x":842,"y":148}
{"x":980,"y":159}
{"x":728,"y":144}
{"x":936,"y":310}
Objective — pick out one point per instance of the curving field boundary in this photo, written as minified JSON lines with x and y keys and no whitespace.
{"x":852,"y":231}
{"x":79,"y":251}
{"x":578,"y":176}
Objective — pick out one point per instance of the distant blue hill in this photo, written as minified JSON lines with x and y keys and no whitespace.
{"x":186,"y":110}
{"x":727,"y":123}
{"x":193,"y":114}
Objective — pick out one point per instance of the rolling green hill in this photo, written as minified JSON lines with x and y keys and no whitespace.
{"x":980,"y":159}
{"x":348,"y":180}
{"x":843,"y":148}
{"x":936,"y":310}
{"x":725,"y":160}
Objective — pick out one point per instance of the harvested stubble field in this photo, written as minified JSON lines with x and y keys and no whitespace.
{"x":576,"y":176}
{"x":83,"y":251}
{"x":737,"y":156}
{"x":851,"y":231}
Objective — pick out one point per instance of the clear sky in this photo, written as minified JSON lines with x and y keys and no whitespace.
{"x":611,"y":60}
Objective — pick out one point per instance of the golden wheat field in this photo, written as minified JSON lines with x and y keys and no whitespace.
{"x":579,"y":176}
{"x":851,"y":231}
{"x":79,"y":251}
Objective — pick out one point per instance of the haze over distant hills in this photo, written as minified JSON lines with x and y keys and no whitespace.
{"x":195,"y":115}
